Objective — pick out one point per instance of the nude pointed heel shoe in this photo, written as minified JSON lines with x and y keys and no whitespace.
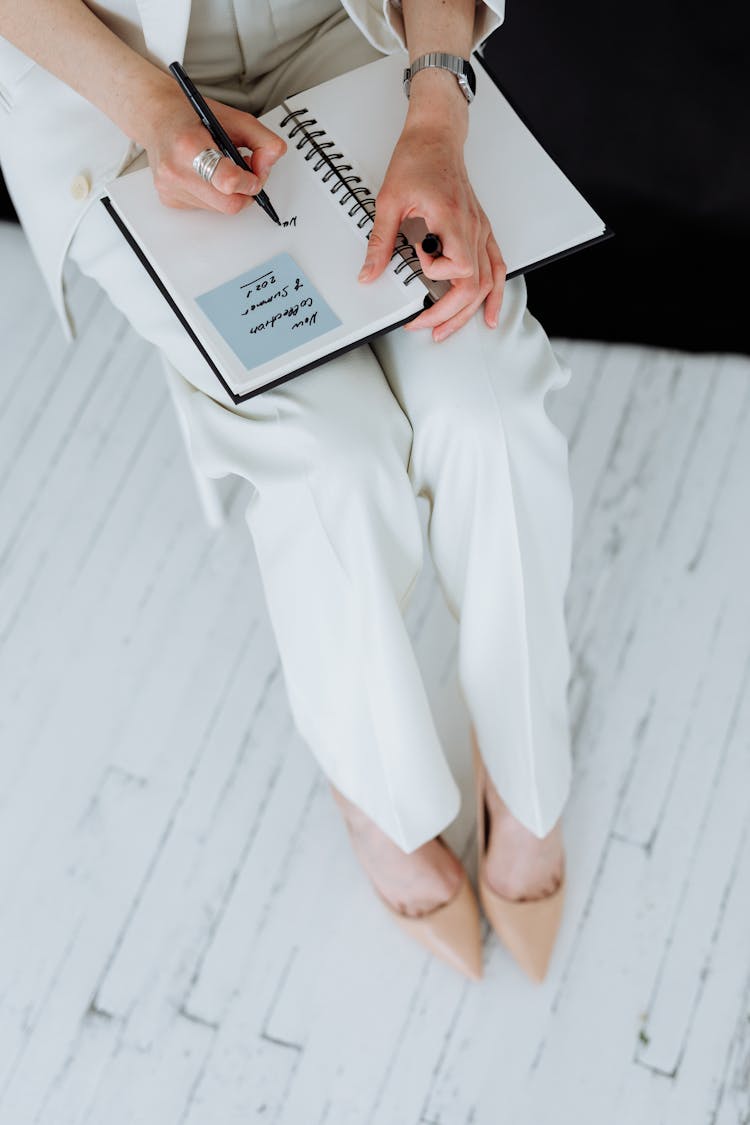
{"x":452,"y":931}
{"x":527,"y":929}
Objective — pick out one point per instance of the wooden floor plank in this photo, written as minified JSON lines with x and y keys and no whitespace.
{"x":185,"y":934}
{"x":713,"y":726}
{"x":74,"y":918}
{"x":679,"y":666}
{"x":207,"y":832}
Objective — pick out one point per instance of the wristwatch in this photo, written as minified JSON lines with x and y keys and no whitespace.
{"x":462,"y":69}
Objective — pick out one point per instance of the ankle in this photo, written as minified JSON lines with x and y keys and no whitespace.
{"x":412,"y":883}
{"x":354,"y":817}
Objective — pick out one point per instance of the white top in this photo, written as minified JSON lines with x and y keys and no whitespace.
{"x":231,"y":40}
{"x":213,"y":50}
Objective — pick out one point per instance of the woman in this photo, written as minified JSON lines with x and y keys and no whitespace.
{"x":451,"y":408}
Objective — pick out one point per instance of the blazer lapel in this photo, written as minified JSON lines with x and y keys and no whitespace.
{"x":165,"y":26}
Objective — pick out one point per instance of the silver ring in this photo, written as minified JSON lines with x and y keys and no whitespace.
{"x":206,"y":163}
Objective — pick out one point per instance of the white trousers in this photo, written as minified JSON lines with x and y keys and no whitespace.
{"x":337,"y":458}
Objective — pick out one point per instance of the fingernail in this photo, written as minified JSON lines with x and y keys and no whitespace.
{"x":365,"y":271}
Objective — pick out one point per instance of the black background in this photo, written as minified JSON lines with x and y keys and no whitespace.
{"x":6,"y":207}
{"x":646,"y":109}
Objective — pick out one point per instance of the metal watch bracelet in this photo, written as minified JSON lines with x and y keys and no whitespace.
{"x":441,"y":60}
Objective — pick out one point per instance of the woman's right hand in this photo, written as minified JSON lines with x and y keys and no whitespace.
{"x":176,"y":140}
{"x":144,"y":101}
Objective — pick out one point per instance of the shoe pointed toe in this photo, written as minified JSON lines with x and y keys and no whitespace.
{"x":452,"y":931}
{"x":528,"y":930}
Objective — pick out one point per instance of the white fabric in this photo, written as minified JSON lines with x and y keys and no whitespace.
{"x":213,"y":49}
{"x":39,"y":113}
{"x":487,"y":16}
{"x":236,"y":40}
{"x":337,"y":457}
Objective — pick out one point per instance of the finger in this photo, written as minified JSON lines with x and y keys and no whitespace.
{"x":382,"y":238}
{"x":447,"y":315}
{"x":455,"y":262}
{"x":459,"y":255}
{"x":246,"y":131}
{"x":265,"y":156}
{"x":195,"y":192}
{"x":460,"y":295}
{"x":463,"y":316}
{"x":247,"y":156}
{"x":499,"y":270}
{"x":224,"y":204}
{"x":230,"y":179}
{"x":453,"y":323}
{"x":177,"y":178}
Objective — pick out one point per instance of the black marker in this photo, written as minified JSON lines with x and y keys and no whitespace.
{"x":431,"y":244}
{"x":222,"y":139}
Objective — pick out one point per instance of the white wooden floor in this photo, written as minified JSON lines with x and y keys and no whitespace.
{"x":185,"y":936}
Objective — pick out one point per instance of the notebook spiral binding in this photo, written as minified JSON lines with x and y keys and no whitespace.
{"x":362,"y":199}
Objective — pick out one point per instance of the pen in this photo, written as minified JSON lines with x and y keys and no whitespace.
{"x":222,"y":139}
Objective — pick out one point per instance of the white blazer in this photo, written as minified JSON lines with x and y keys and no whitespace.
{"x":58,"y":151}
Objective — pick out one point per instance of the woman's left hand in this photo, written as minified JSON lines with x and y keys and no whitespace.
{"x":427,"y":177}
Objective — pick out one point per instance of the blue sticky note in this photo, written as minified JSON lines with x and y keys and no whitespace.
{"x":268,"y":310}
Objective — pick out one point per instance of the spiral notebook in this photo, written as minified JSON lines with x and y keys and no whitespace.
{"x":265,"y":303}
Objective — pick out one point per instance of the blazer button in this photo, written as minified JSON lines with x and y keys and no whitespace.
{"x":79,"y":187}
